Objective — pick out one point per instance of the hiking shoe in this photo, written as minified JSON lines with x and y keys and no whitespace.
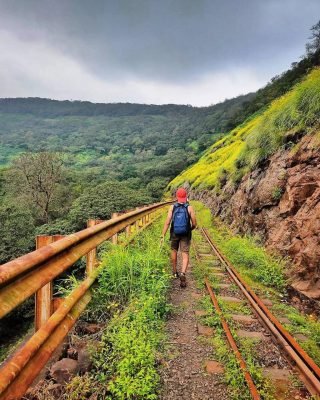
{"x":183,"y":281}
{"x":176,"y":275}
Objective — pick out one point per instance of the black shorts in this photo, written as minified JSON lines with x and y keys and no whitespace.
{"x":182,"y":241}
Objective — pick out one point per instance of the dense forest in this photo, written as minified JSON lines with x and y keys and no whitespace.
{"x":62,"y":162}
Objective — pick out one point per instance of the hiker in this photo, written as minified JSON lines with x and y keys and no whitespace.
{"x":183,"y":220}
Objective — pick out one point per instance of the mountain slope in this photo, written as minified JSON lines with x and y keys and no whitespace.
{"x":264,"y":178}
{"x":118,"y":141}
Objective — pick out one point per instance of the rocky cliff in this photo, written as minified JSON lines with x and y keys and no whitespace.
{"x":280,"y":201}
{"x":264,"y":178}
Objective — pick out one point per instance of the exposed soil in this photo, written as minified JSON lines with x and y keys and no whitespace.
{"x":229,"y":292}
{"x":184,"y":375}
{"x":268,"y":355}
{"x":253,"y":327}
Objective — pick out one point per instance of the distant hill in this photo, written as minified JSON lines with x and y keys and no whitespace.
{"x":118,"y":140}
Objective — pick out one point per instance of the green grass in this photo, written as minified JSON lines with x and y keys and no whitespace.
{"x":245,"y":253}
{"x":233,"y":375}
{"x":131,"y":296}
{"x":257,"y":138}
{"x":304,"y":324}
{"x":264,"y":273}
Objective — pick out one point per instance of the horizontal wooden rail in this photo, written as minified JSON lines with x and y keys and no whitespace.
{"x":22,"y":277}
{"x":25,"y":275}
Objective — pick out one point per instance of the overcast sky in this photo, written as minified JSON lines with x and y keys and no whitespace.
{"x":195,"y":52}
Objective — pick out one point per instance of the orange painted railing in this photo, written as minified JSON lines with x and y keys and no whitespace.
{"x":34,"y":273}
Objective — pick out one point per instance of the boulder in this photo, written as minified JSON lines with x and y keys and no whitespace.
{"x":64,"y":370}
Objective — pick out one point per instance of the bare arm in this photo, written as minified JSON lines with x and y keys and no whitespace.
{"x":192,"y":217}
{"x":167,"y":221}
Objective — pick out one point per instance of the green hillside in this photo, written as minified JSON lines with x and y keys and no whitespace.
{"x":120,"y":141}
{"x":245,"y":147}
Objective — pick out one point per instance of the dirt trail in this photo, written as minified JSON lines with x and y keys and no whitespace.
{"x":184,"y":374}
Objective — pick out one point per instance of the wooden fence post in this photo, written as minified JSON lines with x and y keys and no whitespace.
{"x":43,"y":297}
{"x":91,"y":256}
{"x":128,"y":231}
{"x":115,"y":236}
{"x":45,"y":304}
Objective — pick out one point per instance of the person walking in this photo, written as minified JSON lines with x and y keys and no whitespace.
{"x":182,"y":218}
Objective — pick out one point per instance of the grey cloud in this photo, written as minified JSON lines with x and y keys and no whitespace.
{"x":165,"y":40}
{"x":169,"y":41}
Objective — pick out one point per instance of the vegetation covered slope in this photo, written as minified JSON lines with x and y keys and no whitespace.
{"x":119,"y":140}
{"x":250,"y":144}
{"x":263,"y":178}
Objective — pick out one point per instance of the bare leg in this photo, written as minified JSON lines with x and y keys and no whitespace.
{"x":185,"y":262}
{"x":174,"y":260}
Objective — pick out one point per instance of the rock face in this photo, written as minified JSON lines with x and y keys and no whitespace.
{"x":280,"y":202}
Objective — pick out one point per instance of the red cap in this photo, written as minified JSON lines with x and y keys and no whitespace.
{"x":181,"y":195}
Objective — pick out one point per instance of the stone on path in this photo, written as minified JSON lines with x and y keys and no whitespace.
{"x":251,"y":335}
{"x":243,"y":319}
{"x":200,"y":313}
{"x":277,"y":374}
{"x":301,"y":337}
{"x":205,"y":330}
{"x":222,"y":285}
{"x":267,"y":302}
{"x":214,"y":367}
{"x":230,"y":299}
{"x":281,"y":380}
{"x":284,"y":320}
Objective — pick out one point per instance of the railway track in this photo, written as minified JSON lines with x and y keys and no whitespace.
{"x":285,"y":352}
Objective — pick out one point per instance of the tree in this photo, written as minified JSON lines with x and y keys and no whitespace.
{"x":314,"y":45}
{"x":104,"y":199}
{"x":17,"y":231}
{"x":36,"y":176}
{"x":156,"y":188}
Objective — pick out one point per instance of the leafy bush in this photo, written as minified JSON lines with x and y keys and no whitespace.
{"x":134,"y":282}
{"x":17,"y":233}
{"x":127,"y":358}
{"x":277,"y":193}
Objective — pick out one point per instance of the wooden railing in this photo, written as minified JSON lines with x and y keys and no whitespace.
{"x":33,"y":274}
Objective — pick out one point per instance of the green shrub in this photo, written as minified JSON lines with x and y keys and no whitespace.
{"x":132,"y":288}
{"x":277,"y":193}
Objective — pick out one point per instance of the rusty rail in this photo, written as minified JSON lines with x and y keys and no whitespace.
{"x":308,"y":368}
{"x":22,"y":277}
{"x":29,"y":274}
{"x":252,"y":388}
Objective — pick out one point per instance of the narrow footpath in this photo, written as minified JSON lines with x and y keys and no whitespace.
{"x":190,"y":371}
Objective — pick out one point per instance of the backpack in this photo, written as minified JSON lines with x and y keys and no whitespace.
{"x":181,"y":219}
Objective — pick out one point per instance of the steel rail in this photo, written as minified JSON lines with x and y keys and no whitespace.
{"x":22,"y":277}
{"x":15,"y":365}
{"x":24,"y":378}
{"x":252,"y":388}
{"x":306,"y":365}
